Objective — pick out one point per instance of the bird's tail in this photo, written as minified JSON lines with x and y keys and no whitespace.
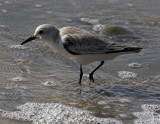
{"x":134,"y":49}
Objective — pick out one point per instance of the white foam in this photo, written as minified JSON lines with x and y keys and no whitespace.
{"x":49,"y":12}
{"x":51,"y":83}
{"x":86,"y":75}
{"x":6,"y":2}
{"x":102,"y":102}
{"x":17,"y":47}
{"x":38,"y":5}
{"x":149,"y":115}
{"x":98,"y":27}
{"x":90,"y":21}
{"x":130,"y":5}
{"x":4,"y":10}
{"x":53,"y":113}
{"x":3,"y":26}
{"x":157,"y":78}
{"x":18,"y":79}
{"x":134,"y":65}
{"x":123,"y":115}
{"x":69,"y":20}
{"x":126,"y":74}
{"x":124,"y":100}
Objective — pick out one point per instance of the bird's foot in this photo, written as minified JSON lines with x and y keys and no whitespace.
{"x":80,"y":84}
{"x":91,"y":78}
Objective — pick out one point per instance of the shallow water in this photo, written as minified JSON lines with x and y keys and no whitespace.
{"x":38,"y":86}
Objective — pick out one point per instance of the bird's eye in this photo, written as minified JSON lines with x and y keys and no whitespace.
{"x":41,"y":32}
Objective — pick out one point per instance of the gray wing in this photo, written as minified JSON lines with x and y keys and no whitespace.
{"x":81,"y":42}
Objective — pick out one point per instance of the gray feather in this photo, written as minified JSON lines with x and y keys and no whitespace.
{"x":79,"y":42}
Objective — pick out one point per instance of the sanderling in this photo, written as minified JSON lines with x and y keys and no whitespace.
{"x":80,"y":45}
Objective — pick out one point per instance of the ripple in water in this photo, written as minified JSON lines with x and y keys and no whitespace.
{"x":44,"y":113}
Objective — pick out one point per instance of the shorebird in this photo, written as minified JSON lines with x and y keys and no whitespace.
{"x":80,"y":46}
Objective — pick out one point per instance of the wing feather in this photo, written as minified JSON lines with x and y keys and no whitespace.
{"x":79,"y":42}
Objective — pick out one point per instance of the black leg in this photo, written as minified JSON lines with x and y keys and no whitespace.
{"x":81,"y":74}
{"x":91,"y":74}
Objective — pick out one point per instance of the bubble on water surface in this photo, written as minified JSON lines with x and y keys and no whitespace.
{"x":149,"y":115}
{"x":126,"y":74}
{"x":53,"y":113}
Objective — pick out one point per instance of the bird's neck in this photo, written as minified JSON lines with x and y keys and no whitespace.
{"x":55,"y":43}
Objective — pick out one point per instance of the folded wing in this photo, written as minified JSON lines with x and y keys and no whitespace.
{"x":80,"y":42}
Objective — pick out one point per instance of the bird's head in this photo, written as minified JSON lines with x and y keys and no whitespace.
{"x":44,"y":32}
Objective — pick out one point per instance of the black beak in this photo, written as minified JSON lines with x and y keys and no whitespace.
{"x":28,"y":40}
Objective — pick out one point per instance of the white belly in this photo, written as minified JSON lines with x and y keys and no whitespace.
{"x":89,"y":58}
